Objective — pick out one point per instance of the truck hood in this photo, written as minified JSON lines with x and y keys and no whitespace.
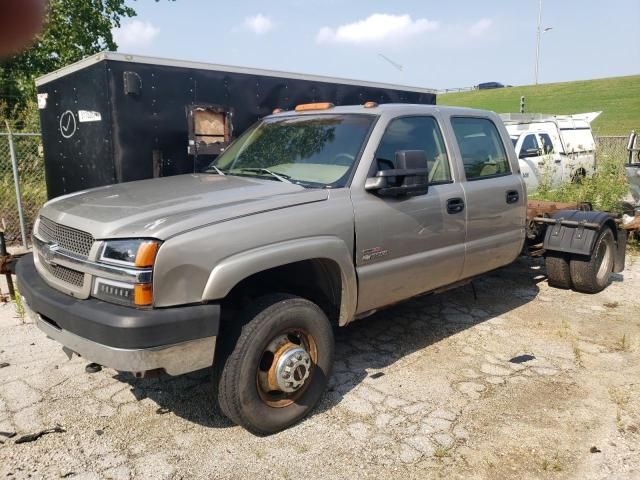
{"x":163,"y":207}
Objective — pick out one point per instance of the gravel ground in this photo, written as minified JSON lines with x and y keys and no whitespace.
{"x":525,"y":381}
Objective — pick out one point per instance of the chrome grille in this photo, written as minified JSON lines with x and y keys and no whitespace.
{"x":70,"y":239}
{"x":63,"y":274}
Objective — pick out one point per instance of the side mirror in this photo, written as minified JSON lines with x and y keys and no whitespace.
{"x":410,"y":176}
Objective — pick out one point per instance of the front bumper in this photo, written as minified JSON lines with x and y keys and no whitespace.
{"x":178,"y":339}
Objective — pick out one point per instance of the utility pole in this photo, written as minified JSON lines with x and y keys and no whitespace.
{"x":538,"y":42}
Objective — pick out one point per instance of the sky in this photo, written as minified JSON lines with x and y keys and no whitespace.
{"x":443,"y":44}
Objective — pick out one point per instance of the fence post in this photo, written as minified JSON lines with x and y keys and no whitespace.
{"x":16,"y":181}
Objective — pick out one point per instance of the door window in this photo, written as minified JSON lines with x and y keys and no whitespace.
{"x":415,"y":133}
{"x":547,"y":144}
{"x":529,"y":143}
{"x":483,"y":153}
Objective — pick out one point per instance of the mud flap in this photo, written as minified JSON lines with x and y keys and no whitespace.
{"x":575,"y":231}
{"x":621,"y":251}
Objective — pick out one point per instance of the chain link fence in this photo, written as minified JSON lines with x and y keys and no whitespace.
{"x":613,"y":145}
{"x":21,"y":156}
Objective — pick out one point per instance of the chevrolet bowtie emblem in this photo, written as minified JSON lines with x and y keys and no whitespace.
{"x":50,"y":250}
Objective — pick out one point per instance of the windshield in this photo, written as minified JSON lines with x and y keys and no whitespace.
{"x":310,"y":150}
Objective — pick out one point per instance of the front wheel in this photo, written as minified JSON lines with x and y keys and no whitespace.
{"x":280,"y":365}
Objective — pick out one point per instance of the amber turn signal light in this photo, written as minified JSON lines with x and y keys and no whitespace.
{"x":143,"y":294}
{"x":314,"y":106}
{"x":147,"y":254}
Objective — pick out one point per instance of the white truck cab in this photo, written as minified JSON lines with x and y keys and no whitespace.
{"x":552,"y":149}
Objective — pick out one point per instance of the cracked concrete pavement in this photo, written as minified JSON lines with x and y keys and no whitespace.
{"x":525,"y":381}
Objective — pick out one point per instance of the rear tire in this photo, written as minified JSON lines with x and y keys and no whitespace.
{"x":558,"y":271}
{"x":591,"y":274}
{"x":288,"y":341}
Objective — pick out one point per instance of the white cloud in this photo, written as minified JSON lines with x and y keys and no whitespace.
{"x":258,"y":24}
{"x":376,"y":28}
{"x":135,"y":34}
{"x":480,"y":27}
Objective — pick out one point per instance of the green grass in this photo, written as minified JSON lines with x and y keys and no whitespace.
{"x":618,"y":98}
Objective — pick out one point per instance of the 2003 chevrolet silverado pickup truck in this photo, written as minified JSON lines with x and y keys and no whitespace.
{"x":312,"y":218}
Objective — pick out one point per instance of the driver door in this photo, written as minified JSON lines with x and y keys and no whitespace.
{"x":409,"y":245}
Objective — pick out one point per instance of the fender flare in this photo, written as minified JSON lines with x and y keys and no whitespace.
{"x":575,"y":232}
{"x":232,"y":270}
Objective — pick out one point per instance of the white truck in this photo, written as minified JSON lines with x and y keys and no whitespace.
{"x":552,"y":149}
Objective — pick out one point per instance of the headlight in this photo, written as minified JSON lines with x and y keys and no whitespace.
{"x":134,"y":253}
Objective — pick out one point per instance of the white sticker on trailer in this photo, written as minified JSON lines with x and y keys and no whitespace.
{"x":42,"y":100}
{"x":88,"y":116}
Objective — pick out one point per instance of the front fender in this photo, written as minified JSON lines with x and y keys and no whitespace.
{"x":232,"y":270}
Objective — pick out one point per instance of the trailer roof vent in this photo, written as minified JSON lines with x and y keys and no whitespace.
{"x":132,"y":83}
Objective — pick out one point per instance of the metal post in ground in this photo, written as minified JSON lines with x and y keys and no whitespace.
{"x":16,"y":181}
{"x":4,"y":254}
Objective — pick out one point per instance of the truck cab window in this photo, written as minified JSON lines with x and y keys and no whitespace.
{"x":415,"y":133}
{"x":547,"y":144}
{"x":529,"y":143}
{"x":481,"y":147}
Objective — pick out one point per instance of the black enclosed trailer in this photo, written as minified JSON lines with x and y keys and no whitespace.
{"x":114,"y":117}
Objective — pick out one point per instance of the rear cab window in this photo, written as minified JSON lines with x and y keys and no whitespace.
{"x":547,"y":143}
{"x":481,"y":147}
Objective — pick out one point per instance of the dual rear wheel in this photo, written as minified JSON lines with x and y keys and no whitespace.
{"x":587,"y":274}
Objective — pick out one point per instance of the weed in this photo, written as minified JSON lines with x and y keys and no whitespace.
{"x":577,"y":353}
{"x":304,"y":448}
{"x":619,"y":422}
{"x":442,"y":452}
{"x":604,"y":190}
{"x":623,"y":344}
{"x":618,"y":397}
{"x":19,"y":306}
{"x":552,"y":465}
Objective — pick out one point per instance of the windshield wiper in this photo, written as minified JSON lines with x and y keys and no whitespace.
{"x":280,"y":176}
{"x":217,"y":170}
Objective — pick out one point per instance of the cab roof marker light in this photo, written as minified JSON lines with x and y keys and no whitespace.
{"x":314,"y":106}
{"x":370,"y":104}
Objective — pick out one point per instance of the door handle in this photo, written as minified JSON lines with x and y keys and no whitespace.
{"x":513,"y":196}
{"x":455,"y":205}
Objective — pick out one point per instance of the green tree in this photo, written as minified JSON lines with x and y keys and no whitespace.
{"x":74,"y":29}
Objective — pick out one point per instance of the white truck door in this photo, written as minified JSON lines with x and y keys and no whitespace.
{"x":551,"y":161}
{"x":528,"y":150}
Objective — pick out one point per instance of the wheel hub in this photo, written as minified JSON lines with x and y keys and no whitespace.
{"x":292,"y":368}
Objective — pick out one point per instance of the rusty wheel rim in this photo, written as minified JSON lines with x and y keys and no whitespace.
{"x":282,"y":347}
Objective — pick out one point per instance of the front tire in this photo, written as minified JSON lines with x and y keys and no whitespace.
{"x":592,"y":274}
{"x":280,"y":365}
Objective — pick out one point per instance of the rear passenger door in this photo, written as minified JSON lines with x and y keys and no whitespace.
{"x":494,"y":193}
